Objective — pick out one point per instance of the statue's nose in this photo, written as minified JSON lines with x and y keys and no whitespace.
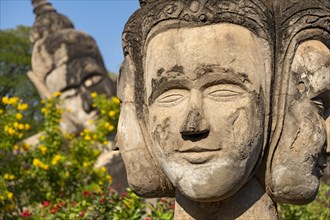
{"x":195,"y":122}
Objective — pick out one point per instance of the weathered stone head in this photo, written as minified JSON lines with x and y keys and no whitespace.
{"x":195,"y":86}
{"x":301,"y":101}
{"x":212,"y":88}
{"x":68,"y":61}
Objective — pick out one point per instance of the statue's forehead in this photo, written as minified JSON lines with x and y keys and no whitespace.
{"x":188,"y":49}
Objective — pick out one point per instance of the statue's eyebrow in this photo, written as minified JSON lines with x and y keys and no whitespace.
{"x":214,"y":74}
{"x":174,"y":71}
{"x":163,"y":84}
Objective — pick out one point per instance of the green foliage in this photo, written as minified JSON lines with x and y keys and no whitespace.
{"x":319,"y":209}
{"x":15,"y":46}
{"x":163,"y":209}
{"x":15,"y":61}
{"x":56,"y":179}
{"x":57,"y":169}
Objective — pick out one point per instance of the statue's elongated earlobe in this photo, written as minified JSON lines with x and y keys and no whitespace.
{"x":143,"y":174}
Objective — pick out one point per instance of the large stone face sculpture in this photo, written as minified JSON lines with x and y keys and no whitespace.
{"x":221,"y":98}
{"x":68,"y":61}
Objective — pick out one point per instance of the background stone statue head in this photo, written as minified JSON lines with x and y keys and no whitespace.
{"x":301,"y":101}
{"x":68,"y":61}
{"x":195,"y":87}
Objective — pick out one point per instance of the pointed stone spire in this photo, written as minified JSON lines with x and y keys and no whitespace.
{"x":42,"y":6}
{"x":47,"y":20}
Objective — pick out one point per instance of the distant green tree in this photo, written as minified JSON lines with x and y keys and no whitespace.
{"x":15,"y":61}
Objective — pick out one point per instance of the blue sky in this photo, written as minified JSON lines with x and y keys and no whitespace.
{"x":102,"y":19}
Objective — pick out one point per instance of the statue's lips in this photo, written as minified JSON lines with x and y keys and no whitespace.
{"x":198,"y":155}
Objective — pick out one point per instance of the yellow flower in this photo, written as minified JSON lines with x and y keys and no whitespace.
{"x":27,"y":127}
{"x":2,"y":198}
{"x":43,"y":101}
{"x":57,"y":94}
{"x":100,"y":183}
{"x":94,"y":94}
{"x":85,"y":164}
{"x":38,"y":163}
{"x":86,"y":131}
{"x":67,"y":174}
{"x":13,"y":100}
{"x":25,"y":146}
{"x":10,"y":101}
{"x":115,"y":100}
{"x":107,"y":124}
{"x":112,"y":114}
{"x":43,"y":149}
{"x":22,"y":106}
{"x":91,"y":121}
{"x":1,"y":110}
{"x":105,"y":142}
{"x":11,"y":131}
{"x":19,"y":116}
{"x":8,"y":176}
{"x":16,"y":124}
{"x":5,"y":100}
{"x":20,"y":135}
{"x":94,"y":136}
{"x":15,"y":147}
{"x":21,"y":126}
{"x":56,"y":158}
{"x":111,"y":128}
{"x":10,"y":195}
{"x":108,"y":178}
{"x":103,"y":169}
{"x":87,"y":138}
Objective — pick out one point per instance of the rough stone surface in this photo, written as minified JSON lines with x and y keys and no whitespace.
{"x":225,"y":103}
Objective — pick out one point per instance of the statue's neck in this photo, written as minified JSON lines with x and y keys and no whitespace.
{"x":251,"y":202}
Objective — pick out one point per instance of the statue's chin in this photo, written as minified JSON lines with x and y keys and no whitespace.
{"x":208,"y":182}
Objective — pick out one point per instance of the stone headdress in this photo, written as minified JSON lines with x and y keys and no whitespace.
{"x":47,"y":20}
{"x":152,"y":18}
{"x":56,"y":42}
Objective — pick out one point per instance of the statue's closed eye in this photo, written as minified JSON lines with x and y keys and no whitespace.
{"x":172,"y":97}
{"x":318,"y":103}
{"x":223,"y":92}
{"x":92,"y":80}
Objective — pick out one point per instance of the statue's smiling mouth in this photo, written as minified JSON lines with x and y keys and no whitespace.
{"x":198,"y":155}
{"x":196,"y":149}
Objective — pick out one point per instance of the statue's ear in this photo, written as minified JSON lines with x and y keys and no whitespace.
{"x":311,"y":75}
{"x":143,"y":174}
{"x":299,"y":153}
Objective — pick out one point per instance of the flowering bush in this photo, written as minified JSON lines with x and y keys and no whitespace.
{"x":56,"y":178}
